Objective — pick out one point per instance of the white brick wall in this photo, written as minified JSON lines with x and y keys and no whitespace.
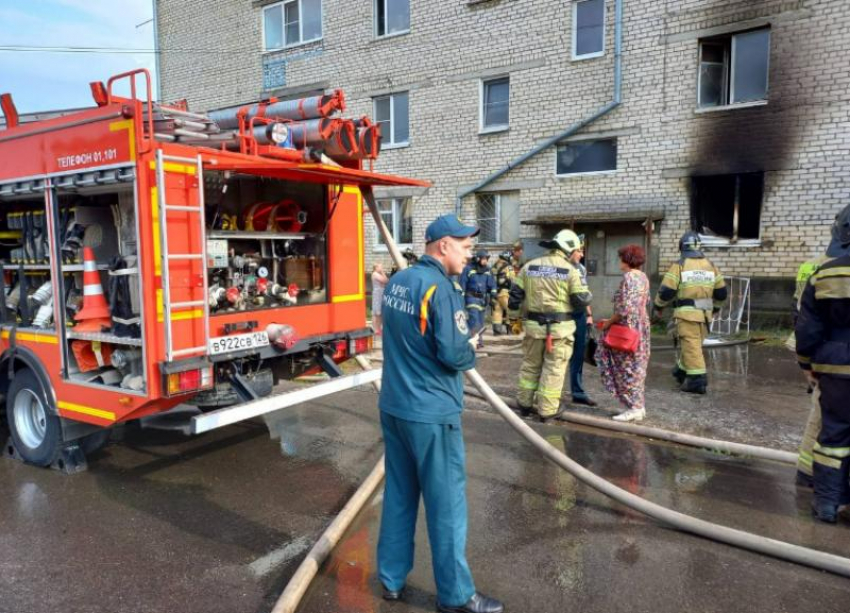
{"x":801,"y":138}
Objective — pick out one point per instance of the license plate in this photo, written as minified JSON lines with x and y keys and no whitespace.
{"x":238,"y":342}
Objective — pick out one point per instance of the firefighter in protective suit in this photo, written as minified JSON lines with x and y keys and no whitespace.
{"x":823,"y":351}
{"x":696,"y":290}
{"x":810,"y":434}
{"x":479,"y":289}
{"x":504,"y":274}
{"x":551,"y":288}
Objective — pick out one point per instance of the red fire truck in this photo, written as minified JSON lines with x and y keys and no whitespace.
{"x":151,"y":256}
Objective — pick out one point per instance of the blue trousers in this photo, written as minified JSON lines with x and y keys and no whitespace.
{"x":475,"y":317}
{"x":426,"y":460}
{"x":577,"y":359}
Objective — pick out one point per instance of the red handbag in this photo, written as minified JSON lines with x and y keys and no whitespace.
{"x":621,"y":338}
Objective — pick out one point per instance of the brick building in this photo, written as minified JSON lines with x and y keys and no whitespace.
{"x":733,"y":115}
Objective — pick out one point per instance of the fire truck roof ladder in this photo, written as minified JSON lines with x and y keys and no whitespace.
{"x":167,"y":258}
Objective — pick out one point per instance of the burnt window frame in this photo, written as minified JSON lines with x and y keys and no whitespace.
{"x":697,"y":219}
{"x":730,"y":52}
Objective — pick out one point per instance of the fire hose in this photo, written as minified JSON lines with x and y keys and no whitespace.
{"x":737,"y":538}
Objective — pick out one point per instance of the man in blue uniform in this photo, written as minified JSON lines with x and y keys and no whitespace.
{"x":823,"y":350}
{"x":583,"y":317}
{"x":479,"y":289}
{"x":426,"y":348}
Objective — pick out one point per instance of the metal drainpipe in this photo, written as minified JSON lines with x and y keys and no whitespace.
{"x":156,"y":51}
{"x":618,"y":45}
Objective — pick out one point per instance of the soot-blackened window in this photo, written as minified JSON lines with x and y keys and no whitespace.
{"x":727,"y":206}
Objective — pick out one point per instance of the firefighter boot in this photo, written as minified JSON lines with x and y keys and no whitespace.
{"x":497,"y":330}
{"x":831,"y":490}
{"x":695,"y":384}
{"x":678,"y":374}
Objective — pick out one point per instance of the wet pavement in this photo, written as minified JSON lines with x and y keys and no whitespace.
{"x":218,"y":523}
{"x":541,"y":541}
{"x":757,"y":393}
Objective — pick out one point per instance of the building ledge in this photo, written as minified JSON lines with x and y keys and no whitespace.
{"x":596,"y":217}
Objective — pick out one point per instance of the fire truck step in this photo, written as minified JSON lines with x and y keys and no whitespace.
{"x":231,"y":415}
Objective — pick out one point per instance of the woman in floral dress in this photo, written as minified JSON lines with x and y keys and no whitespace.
{"x":624,"y":374}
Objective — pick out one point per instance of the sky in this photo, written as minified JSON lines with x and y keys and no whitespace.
{"x":47,"y":80}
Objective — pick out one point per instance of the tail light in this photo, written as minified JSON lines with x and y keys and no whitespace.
{"x":190,"y":381}
{"x":360,"y":345}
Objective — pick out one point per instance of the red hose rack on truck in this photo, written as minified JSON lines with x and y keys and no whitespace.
{"x":201,"y":310}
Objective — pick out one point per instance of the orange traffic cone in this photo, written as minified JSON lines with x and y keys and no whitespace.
{"x":95,"y":313}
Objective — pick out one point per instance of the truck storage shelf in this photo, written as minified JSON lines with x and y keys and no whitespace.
{"x":105,"y":338}
{"x":272,"y":236}
{"x":65,"y":267}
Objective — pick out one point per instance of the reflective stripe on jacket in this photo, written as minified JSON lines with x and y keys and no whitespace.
{"x":823,"y":326}
{"x":550,"y":284}
{"x":696,"y":286}
{"x":426,"y":345}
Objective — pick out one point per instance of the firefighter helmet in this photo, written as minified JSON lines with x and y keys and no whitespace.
{"x":565,"y":240}
{"x":505,"y":256}
{"x":690,"y":241}
{"x":841,"y":227}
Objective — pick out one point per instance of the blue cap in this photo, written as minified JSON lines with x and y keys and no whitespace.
{"x":448,"y":225}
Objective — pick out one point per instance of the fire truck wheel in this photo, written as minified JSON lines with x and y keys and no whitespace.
{"x":36,"y":432}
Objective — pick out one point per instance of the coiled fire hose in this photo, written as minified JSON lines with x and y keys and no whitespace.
{"x":297,"y":586}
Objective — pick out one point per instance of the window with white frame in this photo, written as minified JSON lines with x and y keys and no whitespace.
{"x":397,"y":214}
{"x":586,"y":156}
{"x":497,"y":215}
{"x":392,"y":17}
{"x":295,"y":22}
{"x":588,"y":28}
{"x":495,"y":104}
{"x":392,"y":113}
{"x":733,"y":69}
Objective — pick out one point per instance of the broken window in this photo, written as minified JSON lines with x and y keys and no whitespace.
{"x":727,"y":208}
{"x":734,"y":69}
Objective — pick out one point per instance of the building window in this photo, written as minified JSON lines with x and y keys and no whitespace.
{"x":734,"y":69}
{"x":727,"y":208}
{"x":588,"y":29}
{"x":583,"y":157}
{"x":392,"y":17}
{"x":286,"y":24}
{"x":392,"y":113}
{"x":397,"y":214}
{"x":497,"y":215}
{"x":495,"y":104}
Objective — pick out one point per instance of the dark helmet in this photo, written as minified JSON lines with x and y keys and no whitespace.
{"x":505,"y":256}
{"x":481,"y":254}
{"x":690,"y":241}
{"x":840,"y":244}
{"x":409,"y":255}
{"x":841,"y":227}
